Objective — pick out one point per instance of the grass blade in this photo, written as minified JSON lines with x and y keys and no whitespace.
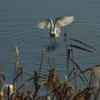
{"x":83,"y":43}
{"x":81,"y":48}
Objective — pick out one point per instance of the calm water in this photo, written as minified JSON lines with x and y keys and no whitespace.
{"x":18,"y":19}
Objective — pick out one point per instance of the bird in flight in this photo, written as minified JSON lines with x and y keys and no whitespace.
{"x":55,"y":27}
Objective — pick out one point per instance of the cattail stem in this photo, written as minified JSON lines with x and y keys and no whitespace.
{"x":65,"y":35}
{"x":41,"y":61}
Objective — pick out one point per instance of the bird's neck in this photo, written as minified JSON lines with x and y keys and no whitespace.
{"x":52,"y":25}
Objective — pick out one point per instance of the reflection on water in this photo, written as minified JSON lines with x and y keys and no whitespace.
{"x":51,"y":47}
{"x":18,"y":21}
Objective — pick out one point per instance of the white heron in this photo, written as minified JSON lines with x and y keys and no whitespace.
{"x":7,"y":89}
{"x":55,"y":28}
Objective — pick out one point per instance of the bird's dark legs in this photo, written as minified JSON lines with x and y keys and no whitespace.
{"x":53,"y":41}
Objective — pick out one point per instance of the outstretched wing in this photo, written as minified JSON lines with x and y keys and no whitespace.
{"x":64,"y":21}
{"x":61,"y":22}
{"x":44,"y":24}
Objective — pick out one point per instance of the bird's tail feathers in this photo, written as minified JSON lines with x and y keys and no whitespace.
{"x":57,"y":35}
